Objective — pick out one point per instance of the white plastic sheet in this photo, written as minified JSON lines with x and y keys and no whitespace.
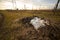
{"x":38,"y":22}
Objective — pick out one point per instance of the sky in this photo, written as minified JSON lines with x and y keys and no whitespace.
{"x":27,"y":4}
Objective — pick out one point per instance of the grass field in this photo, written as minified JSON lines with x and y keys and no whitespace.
{"x":11,"y":15}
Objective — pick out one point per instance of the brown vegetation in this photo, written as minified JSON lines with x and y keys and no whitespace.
{"x":14,"y":29}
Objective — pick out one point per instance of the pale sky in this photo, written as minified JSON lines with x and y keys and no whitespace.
{"x":28,"y":4}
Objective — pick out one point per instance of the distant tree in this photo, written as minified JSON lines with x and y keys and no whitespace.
{"x":55,"y":8}
{"x":14,"y":4}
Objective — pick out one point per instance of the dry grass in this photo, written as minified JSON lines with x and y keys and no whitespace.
{"x":8,"y":32}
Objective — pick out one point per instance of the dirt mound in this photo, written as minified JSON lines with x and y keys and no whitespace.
{"x":25,"y":31}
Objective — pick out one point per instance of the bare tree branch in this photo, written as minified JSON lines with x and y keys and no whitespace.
{"x":56,"y":6}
